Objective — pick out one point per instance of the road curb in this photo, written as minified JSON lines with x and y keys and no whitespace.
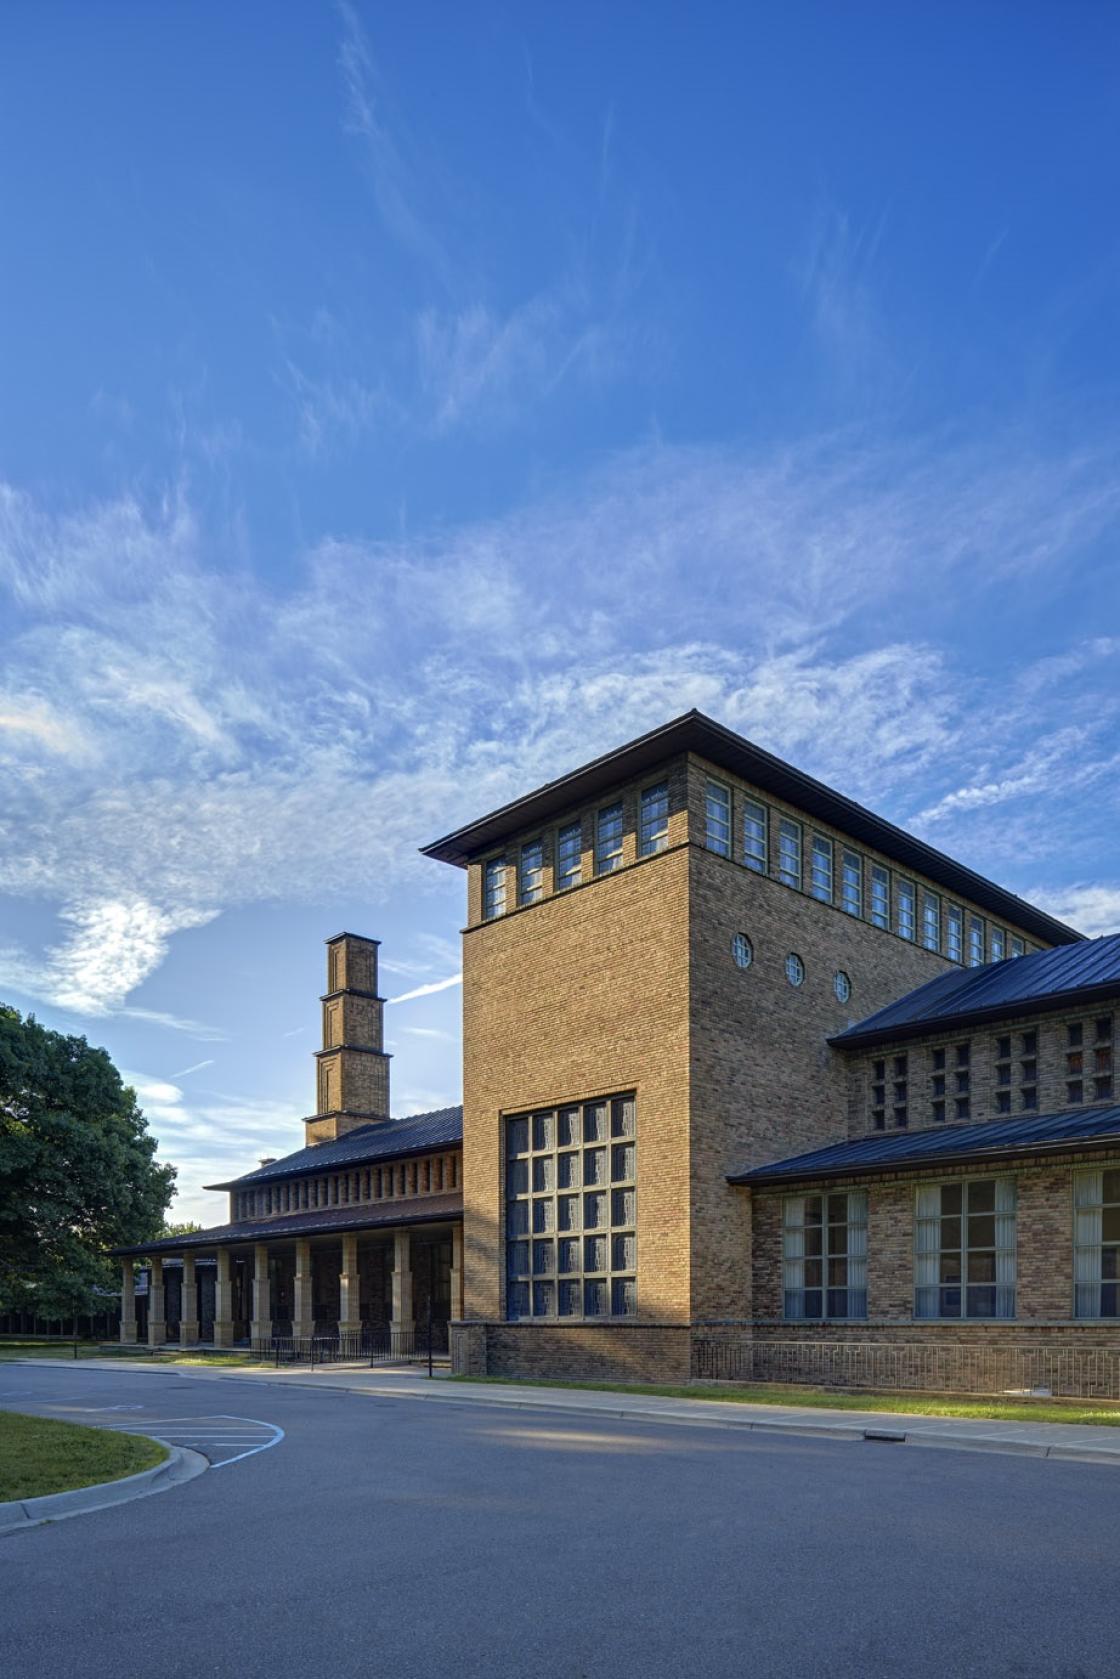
{"x":179,"y":1466}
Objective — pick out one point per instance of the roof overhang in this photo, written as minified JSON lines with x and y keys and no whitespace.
{"x":1053,"y":1003}
{"x":760,"y":1178}
{"x":284,"y":1229}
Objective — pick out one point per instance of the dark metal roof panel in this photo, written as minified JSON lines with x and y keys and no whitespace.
{"x":695,"y":732}
{"x":899,"y":1150}
{"x":380,"y":1141}
{"x":1092,"y":966}
{"x":423,"y":1209}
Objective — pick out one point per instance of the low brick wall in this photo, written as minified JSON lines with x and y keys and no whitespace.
{"x":607,"y":1352}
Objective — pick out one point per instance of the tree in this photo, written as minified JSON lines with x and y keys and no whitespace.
{"x":77,"y":1170}
{"x":186,"y":1229}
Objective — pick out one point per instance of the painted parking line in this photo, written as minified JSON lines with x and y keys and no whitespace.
{"x":220,"y":1437}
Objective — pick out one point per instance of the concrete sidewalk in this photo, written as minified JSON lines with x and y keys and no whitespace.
{"x":1074,"y":1441}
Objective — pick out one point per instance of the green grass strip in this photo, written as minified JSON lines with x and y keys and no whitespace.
{"x":39,"y":1455}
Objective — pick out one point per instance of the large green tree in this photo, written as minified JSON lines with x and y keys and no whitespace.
{"x":77,"y":1170}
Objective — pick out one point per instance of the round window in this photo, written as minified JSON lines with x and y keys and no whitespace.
{"x":842,"y":986}
{"x":795,"y":969}
{"x":742,"y":950}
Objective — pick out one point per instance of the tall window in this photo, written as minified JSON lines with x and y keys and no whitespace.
{"x":907,"y":909}
{"x":975,"y":941}
{"x":1018,"y":948}
{"x":954,"y":933}
{"x":789,"y":851}
{"x":880,"y":896}
{"x":654,"y":819}
{"x":851,"y":882}
{"x":1102,"y":1059}
{"x":1096,"y":1244}
{"x":820,"y":869}
{"x":964,"y":1249}
{"x":571,"y":1245}
{"x":998,"y":945}
{"x":754,"y":835}
{"x":569,"y":856}
{"x":608,"y":839}
{"x":824,"y":1255}
{"x":717,"y":809}
{"x":530,"y":885}
{"x":931,"y":921}
{"x":494,"y":888}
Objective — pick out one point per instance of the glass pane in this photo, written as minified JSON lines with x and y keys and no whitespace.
{"x":624,"y":1302}
{"x":517,"y":1301}
{"x":812,"y":1298}
{"x":567,"y":1212}
{"x":517,"y":1258}
{"x":812,"y":1238}
{"x":517,"y":1136}
{"x":542,"y":1258}
{"x":594,"y":1211}
{"x":595,"y":1122}
{"x":951,"y":1198}
{"x":950,"y":1268}
{"x":624,"y":1253}
{"x":981,"y":1267}
{"x":837,"y":1302}
{"x":595,"y":1299}
{"x":542,"y":1173}
{"x":568,"y":1127}
{"x":1110,"y":1224}
{"x":950,"y":1302}
{"x":569,"y":1300}
{"x":950,"y":1232}
{"x":595,"y":1253}
{"x":542,"y":1130}
{"x":982,"y":1196}
{"x":622,"y":1117}
{"x":981,"y":1302}
{"x":1111,"y":1188}
{"x":517,"y":1218}
{"x":622,"y":1162}
{"x":542,"y":1215}
{"x":544,"y":1300}
{"x":838,"y":1273}
{"x":569,"y":1171}
{"x":814,"y":1269}
{"x":982,"y":1230}
{"x":594,"y":1165}
{"x":622,"y":1206}
{"x":568,"y":1254}
{"x":838,"y":1238}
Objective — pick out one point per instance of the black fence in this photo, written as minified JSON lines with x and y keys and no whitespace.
{"x":373,"y":1344}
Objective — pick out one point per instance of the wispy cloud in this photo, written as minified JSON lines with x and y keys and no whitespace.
{"x":427,"y":990}
{"x":184,"y":1072}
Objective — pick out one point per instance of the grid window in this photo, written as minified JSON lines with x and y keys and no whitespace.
{"x":880,"y":896}
{"x":878,"y":1095}
{"x":717,"y":818}
{"x":998,"y":944}
{"x":954,"y":933}
{"x":820,"y":871}
{"x":530,"y":887}
{"x":931,"y":921}
{"x":824,"y":1255}
{"x":1102,"y":1029}
{"x":1096,"y":1244}
{"x":789,"y":852}
{"x":900,"y":1088}
{"x":795,"y":969}
{"x":494,"y":888}
{"x":742,"y":951}
{"x":851,"y":882}
{"x":964,"y":1249}
{"x":754,"y":836}
{"x":608,"y":839}
{"x":654,"y":822}
{"x":569,"y":856}
{"x":975,"y":941}
{"x":571,"y":1242}
{"x":1017,"y":946}
{"x":907,"y":909}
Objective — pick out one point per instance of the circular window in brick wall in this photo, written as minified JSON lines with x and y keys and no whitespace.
{"x":842,"y":986}
{"x":742,"y":950}
{"x":795,"y":969}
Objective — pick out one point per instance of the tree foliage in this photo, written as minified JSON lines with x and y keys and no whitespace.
{"x":77,"y":1170}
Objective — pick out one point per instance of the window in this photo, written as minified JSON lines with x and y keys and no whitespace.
{"x":851,"y":883}
{"x":841,"y":985}
{"x":789,"y":852}
{"x":795,"y":969}
{"x":569,"y":856}
{"x":531,"y":874}
{"x":880,"y":896}
{"x":964,"y":1249}
{"x":975,"y":941}
{"x":906,"y":909}
{"x":654,"y":822}
{"x":1017,"y":946}
{"x":754,"y":836}
{"x":954,"y":933}
{"x":998,"y":944}
{"x":741,"y":950}
{"x":824,"y":1255}
{"x":494,"y":888}
{"x":608,"y":839}
{"x":571,"y":1245}
{"x":820,"y":872}
{"x":1096,"y":1244}
{"x":900,"y":1091}
{"x":879,"y":1095}
{"x":717,"y":806}
{"x":931,"y":921}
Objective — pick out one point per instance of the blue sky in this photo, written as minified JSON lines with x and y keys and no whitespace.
{"x":400,"y":405}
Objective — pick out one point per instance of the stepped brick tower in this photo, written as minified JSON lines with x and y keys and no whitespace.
{"x":352,"y":1077}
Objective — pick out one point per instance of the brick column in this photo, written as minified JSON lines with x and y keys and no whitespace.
{"x":261,"y":1327}
{"x":403,"y":1324}
{"x":128,"y":1301}
{"x":223,"y":1302}
{"x":349,"y":1307}
{"x":456,"y":1272}
{"x":303,"y":1318}
{"x":157,"y":1322}
{"x":188,"y":1304}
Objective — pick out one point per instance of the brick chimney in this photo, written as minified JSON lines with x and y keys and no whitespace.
{"x":352,"y":1076}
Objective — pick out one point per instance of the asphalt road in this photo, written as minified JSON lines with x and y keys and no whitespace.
{"x":384,"y":1536}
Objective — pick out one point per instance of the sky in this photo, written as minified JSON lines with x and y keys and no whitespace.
{"x":400,"y":405}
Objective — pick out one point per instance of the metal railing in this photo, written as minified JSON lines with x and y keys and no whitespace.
{"x":1014,"y":1368}
{"x":373,"y":1344}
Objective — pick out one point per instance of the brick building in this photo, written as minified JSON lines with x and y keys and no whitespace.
{"x":738,"y":1056}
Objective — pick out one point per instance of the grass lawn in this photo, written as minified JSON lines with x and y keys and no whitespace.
{"x":922,"y":1405}
{"x":39,"y":1455}
{"x":102,"y":1349}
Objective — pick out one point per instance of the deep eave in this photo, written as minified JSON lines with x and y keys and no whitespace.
{"x":376,"y":1142}
{"x":431,"y":1209}
{"x":1061,"y":1003}
{"x":694,"y":732}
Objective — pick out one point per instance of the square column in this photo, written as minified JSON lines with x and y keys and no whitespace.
{"x":128,"y":1302}
{"x":157,"y":1321}
{"x":188,"y":1304}
{"x":303,"y":1316}
{"x":456,"y":1272}
{"x":223,"y":1302}
{"x":403,"y":1325}
{"x":349,"y":1305}
{"x":261,"y":1327}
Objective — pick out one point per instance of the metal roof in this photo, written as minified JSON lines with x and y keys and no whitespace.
{"x":1020,"y":985}
{"x":903,"y":1150}
{"x":695,"y":732}
{"x":422,"y":1209}
{"x":382,"y":1140}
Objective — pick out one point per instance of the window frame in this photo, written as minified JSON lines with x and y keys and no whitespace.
{"x":928,"y":928}
{"x":755,"y":811}
{"x":530,"y":893}
{"x":1002,"y":1181}
{"x":608,"y":858}
{"x":790,"y":829}
{"x":822,"y":868}
{"x":851,"y":882}
{"x":566,"y":879}
{"x":955,"y":948}
{"x":879,"y":876}
{"x":906,"y":890}
{"x":651,"y":838}
{"x":718,"y":793}
{"x":1098,"y":1281}
{"x":495,"y":868}
{"x":852,"y":1256}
